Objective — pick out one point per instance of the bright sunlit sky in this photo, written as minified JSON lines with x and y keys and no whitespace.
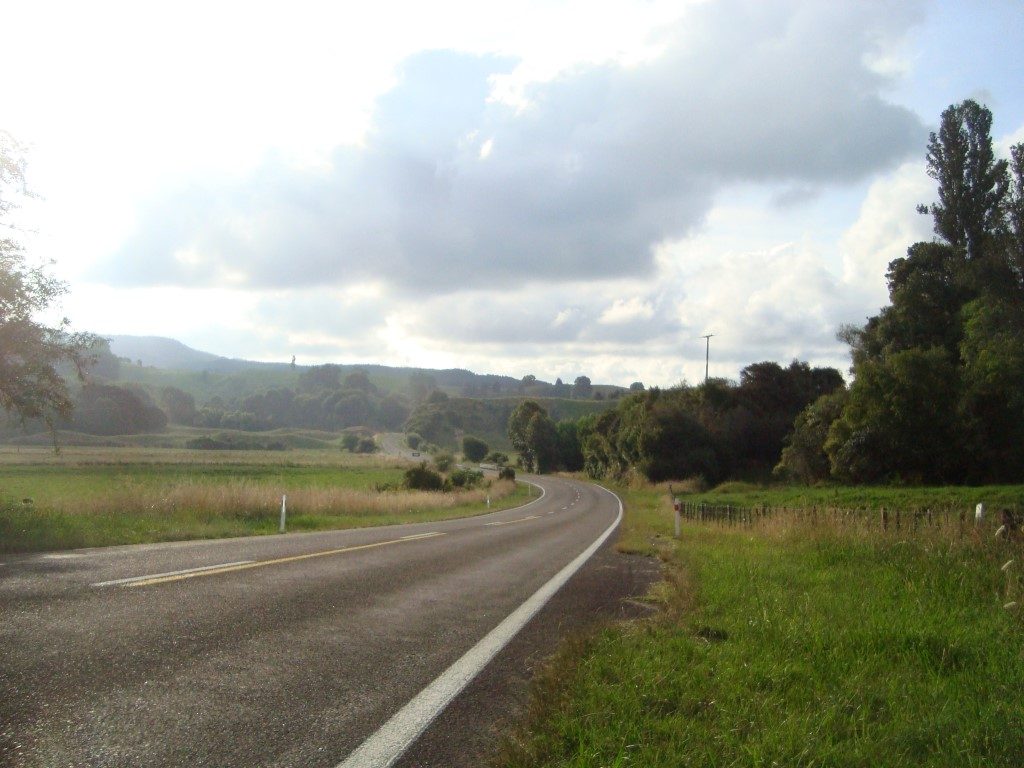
{"x":555,"y":188}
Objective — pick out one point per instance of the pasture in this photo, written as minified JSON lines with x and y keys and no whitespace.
{"x":101,"y":496}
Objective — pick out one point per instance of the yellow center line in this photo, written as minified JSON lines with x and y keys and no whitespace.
{"x":509,"y":522}
{"x":276,"y":561}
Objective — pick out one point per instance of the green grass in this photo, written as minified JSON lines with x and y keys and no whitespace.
{"x":102,"y":496}
{"x":891,"y":497}
{"x":794,"y":645}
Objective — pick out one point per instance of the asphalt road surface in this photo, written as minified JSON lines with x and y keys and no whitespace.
{"x":297,"y":650}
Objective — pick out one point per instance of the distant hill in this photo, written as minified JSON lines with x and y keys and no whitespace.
{"x":161,"y":352}
{"x":156,"y":361}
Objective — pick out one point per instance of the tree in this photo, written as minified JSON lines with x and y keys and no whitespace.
{"x":972,"y":183}
{"x":31,"y":386}
{"x":180,"y":406}
{"x":474,"y":448}
{"x":320,"y":377}
{"x":900,"y":421}
{"x":570,"y":448}
{"x":542,"y":438}
{"x":361,"y":381}
{"x":636,"y":386}
{"x":104,"y":409}
{"x":938,"y":393}
{"x":1015,"y":212}
{"x":804,"y":457}
{"x":581,"y":388}
{"x":992,"y":405}
{"x":518,"y":422}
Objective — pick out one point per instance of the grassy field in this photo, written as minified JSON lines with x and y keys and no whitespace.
{"x":795,"y":642}
{"x":873,"y":497}
{"x":102,"y":496}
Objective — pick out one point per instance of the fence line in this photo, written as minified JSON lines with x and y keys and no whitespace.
{"x":932,"y":520}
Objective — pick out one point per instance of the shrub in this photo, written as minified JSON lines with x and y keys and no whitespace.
{"x":444,"y":462}
{"x":422,"y":478}
{"x":497,"y":457}
{"x":506,"y":473}
{"x":474,"y":448}
{"x":366,"y":445}
{"x":466,"y":478}
{"x":413,"y":440}
{"x":350,"y":441}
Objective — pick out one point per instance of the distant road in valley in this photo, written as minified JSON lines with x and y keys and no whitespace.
{"x":292,"y":650}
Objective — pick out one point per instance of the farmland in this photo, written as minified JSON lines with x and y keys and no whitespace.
{"x":123,"y":495}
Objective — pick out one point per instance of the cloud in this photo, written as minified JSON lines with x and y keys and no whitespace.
{"x":886,"y":226}
{"x":453,"y":190}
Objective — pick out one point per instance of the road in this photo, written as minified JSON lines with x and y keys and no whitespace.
{"x":280,"y":651}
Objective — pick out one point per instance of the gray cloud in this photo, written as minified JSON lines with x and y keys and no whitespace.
{"x":569,"y":314}
{"x":605,"y":163}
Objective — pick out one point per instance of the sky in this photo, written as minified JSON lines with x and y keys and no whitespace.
{"x":547,"y":188}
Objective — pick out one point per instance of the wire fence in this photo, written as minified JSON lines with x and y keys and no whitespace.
{"x":939,"y":520}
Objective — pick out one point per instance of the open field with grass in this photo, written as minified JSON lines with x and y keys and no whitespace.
{"x":852,"y":497}
{"x":794,"y":641}
{"x":102,"y":496}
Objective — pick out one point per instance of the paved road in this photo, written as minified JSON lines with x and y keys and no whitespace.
{"x":285,"y":651}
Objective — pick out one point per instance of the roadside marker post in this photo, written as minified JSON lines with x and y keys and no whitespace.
{"x":676,"y":508}
{"x":284,"y":512}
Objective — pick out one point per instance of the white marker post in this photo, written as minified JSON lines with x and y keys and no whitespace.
{"x":284,"y":512}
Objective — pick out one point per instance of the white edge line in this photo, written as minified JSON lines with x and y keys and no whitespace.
{"x":131,"y":579}
{"x":421,"y":535}
{"x":393,"y":738}
{"x":543,"y":493}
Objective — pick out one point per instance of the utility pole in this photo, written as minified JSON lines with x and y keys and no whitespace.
{"x":707,"y":354}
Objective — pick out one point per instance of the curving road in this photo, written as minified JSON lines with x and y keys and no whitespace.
{"x":285,"y":651}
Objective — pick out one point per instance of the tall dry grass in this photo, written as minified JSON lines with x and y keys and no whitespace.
{"x":249,"y":500}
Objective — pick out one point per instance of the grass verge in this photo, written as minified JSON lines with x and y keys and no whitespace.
{"x":794,"y":643}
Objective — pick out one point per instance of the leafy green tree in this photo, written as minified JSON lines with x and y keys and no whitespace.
{"x":804,"y":457}
{"x":320,"y":377}
{"x":393,"y":411}
{"x":518,"y":422}
{"x":542,"y":438}
{"x":972,"y":183}
{"x":31,"y":352}
{"x":444,"y":462}
{"x":569,"y":445}
{"x":437,"y":397}
{"x":582,"y":388}
{"x":104,"y":409}
{"x":1015,"y":213}
{"x":993,"y":379}
{"x":900,"y":421}
{"x":179,"y":405}
{"x":361,"y":381}
{"x":474,"y":448}
{"x":938,"y":383}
